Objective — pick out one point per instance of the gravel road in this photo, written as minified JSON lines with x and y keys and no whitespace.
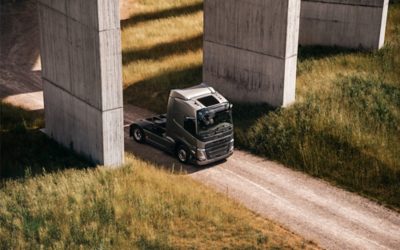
{"x":329,"y":216}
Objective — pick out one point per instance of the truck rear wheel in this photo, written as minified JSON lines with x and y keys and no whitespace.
{"x":138,"y":134}
{"x":183,"y":154}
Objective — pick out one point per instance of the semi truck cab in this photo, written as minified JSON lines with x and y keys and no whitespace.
{"x":197,"y":128}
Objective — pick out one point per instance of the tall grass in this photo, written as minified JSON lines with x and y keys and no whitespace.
{"x":344,"y":126}
{"x":137,"y":206}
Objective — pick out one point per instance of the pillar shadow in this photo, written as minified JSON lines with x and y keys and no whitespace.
{"x":161,"y":14}
{"x":154,"y":91}
{"x":245,"y":116}
{"x":163,"y":49}
{"x":26,"y":152}
{"x":359,"y":170}
{"x":317,"y":52}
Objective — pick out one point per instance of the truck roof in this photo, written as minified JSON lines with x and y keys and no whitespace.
{"x":192,"y":93}
{"x":199,"y":96}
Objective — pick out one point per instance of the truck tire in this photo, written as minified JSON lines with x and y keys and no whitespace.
{"x":183,"y":154}
{"x":138,"y":134}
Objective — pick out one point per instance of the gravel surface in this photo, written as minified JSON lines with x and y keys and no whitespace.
{"x":329,"y":216}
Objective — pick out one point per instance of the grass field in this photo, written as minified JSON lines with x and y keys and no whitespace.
{"x":344,"y":126}
{"x":54,"y":199}
{"x":137,"y":206}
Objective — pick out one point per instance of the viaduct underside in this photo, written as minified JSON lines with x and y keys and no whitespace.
{"x":250,"y":55}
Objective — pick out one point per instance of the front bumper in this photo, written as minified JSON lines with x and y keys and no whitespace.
{"x":209,"y":161}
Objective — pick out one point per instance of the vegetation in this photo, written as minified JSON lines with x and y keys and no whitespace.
{"x":162,"y":49}
{"x":344,"y":126}
{"x":136,"y":206}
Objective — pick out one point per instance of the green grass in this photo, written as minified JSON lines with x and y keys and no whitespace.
{"x":344,"y":126}
{"x":51,"y":198}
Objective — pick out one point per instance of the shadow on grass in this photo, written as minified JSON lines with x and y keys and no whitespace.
{"x":163,"y":49}
{"x":317,"y":52}
{"x":153,"y":93}
{"x":177,"y":11}
{"x":25,"y":151}
{"x":245,"y":116}
{"x":356,"y":170}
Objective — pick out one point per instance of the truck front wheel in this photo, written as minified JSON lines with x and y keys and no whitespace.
{"x":183,"y":154}
{"x":138,"y":134}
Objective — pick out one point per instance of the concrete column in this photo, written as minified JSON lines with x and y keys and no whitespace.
{"x":82,"y":76}
{"x":345,"y":23}
{"x":250,"y":49}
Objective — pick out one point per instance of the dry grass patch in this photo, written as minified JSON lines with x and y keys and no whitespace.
{"x":162,"y":49}
{"x":137,"y":206}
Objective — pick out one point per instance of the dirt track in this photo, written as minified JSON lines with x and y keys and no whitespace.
{"x":331,"y":217}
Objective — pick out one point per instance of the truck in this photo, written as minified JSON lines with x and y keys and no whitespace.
{"x":197,"y":127}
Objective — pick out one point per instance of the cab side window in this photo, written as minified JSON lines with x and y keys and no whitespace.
{"x":190,"y":126}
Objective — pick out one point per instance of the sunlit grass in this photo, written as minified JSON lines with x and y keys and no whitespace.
{"x":181,"y":36}
{"x":136,"y":206}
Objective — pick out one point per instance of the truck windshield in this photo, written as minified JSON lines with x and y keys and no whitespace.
{"x":210,"y":123}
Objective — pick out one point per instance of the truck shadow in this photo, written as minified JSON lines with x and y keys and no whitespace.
{"x":161,"y":158}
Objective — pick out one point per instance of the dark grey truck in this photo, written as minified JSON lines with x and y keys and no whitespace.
{"x":197,"y":128}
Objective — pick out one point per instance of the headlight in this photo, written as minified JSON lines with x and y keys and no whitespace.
{"x":201,"y":154}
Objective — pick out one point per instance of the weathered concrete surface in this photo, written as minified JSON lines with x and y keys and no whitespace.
{"x":82,"y":76}
{"x":345,"y":23}
{"x":19,"y":49}
{"x":250,"y":49}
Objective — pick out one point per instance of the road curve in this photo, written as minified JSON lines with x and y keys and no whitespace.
{"x":331,"y":217}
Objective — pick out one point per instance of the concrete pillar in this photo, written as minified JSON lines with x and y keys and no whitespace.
{"x":250,"y":49}
{"x":345,"y":23}
{"x":82,"y":76}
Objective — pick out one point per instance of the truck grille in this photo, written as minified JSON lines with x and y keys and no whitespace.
{"x":218,"y":148}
